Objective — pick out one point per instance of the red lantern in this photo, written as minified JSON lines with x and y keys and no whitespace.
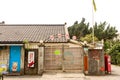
{"x":59,"y":35}
{"x":52,"y":37}
{"x":74,"y":38}
{"x":67,"y":36}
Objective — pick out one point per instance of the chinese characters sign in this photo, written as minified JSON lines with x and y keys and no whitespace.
{"x":95,"y":54}
{"x":31,"y":59}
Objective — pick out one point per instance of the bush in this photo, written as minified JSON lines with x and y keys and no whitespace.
{"x":114,"y":52}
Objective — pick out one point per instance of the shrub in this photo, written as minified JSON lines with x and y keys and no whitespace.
{"x":114,"y":52}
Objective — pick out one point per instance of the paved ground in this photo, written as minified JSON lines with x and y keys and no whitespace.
{"x":69,"y":76}
{"x":115,"y":75}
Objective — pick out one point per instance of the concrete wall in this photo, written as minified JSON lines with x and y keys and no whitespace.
{"x":22,"y":60}
{"x":4,"y":57}
{"x":41,"y":54}
{"x":41,"y":60}
{"x":96,"y":62}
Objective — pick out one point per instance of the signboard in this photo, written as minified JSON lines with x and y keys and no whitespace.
{"x":95,"y":55}
{"x":31,"y":59}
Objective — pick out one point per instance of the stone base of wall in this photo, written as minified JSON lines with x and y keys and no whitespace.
{"x":22,"y":72}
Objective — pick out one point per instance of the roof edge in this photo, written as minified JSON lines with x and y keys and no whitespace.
{"x":32,"y":24}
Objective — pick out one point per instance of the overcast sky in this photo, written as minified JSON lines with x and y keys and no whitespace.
{"x":59,"y":11}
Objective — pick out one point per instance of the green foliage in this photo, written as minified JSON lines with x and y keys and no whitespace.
{"x":104,"y":31}
{"x":101,"y":31}
{"x":25,"y":41}
{"x":79,"y":29}
{"x":89,"y":38}
{"x":107,"y":45}
{"x":115,"y":54}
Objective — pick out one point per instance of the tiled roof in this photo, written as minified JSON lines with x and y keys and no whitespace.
{"x":31,"y":32}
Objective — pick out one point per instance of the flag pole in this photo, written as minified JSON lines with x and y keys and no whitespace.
{"x":93,"y":9}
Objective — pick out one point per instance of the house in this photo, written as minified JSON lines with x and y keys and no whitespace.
{"x":34,"y":48}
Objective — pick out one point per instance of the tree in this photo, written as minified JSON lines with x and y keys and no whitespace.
{"x":79,"y":29}
{"x":115,"y":53}
{"x":89,"y":38}
{"x":104,"y":31}
{"x":101,"y":31}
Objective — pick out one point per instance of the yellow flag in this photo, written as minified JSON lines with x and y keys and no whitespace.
{"x":94,"y":5}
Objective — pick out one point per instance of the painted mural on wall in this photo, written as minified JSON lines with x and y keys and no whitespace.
{"x":14,"y":66}
{"x":31,"y":59}
{"x":3,"y":69}
{"x":69,"y":58}
{"x":57,"y":52}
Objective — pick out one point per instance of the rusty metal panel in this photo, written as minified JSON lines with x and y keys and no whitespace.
{"x":96,"y":61}
{"x":73,"y":58}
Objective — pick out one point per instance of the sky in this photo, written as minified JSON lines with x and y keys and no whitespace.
{"x":59,"y":11}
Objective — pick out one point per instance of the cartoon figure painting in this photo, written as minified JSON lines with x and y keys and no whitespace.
{"x":14,"y":66}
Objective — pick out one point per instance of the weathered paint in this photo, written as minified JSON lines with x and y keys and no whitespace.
{"x":4,"y":57}
{"x":41,"y":60}
{"x":69,"y":58}
{"x":22,"y":60}
{"x":15,"y":58}
{"x":85,"y":63}
{"x":96,"y":61}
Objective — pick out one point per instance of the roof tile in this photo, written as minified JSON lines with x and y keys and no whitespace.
{"x":31,"y":32}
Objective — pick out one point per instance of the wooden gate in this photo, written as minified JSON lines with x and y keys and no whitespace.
{"x":53,"y":58}
{"x":59,"y":58}
{"x":73,"y":58}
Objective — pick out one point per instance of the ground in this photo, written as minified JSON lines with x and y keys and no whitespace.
{"x":115,"y":75}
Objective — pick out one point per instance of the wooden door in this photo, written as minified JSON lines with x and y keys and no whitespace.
{"x":53,"y":58}
{"x":31,"y":61}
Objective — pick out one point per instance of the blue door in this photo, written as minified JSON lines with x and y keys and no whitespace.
{"x":15,"y":57}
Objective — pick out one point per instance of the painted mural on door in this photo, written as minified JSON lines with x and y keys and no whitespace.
{"x":15,"y":57}
{"x":31,"y":61}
